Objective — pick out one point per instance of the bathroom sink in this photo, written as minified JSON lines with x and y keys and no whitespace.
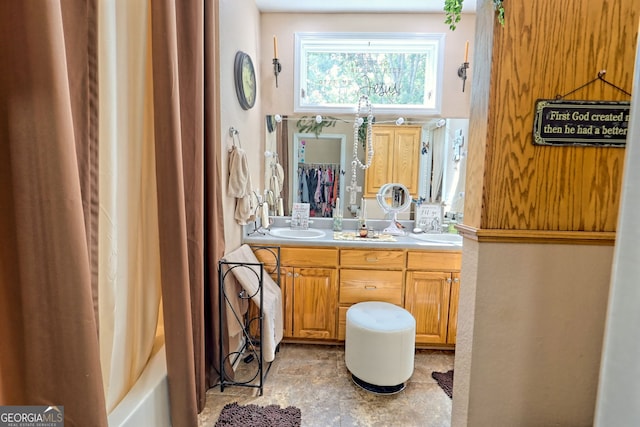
{"x":290,"y":233}
{"x":440,"y":239}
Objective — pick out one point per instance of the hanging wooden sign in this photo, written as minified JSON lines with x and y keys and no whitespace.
{"x":582,"y":123}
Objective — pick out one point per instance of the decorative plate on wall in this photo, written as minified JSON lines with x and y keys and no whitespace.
{"x":245,"y":79}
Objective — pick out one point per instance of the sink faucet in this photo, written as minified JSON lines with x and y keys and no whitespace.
{"x":261,"y":211}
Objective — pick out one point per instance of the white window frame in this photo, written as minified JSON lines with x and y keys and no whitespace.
{"x":368,"y":42}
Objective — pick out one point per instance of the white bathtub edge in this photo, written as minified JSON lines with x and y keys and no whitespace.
{"x":147,"y":403}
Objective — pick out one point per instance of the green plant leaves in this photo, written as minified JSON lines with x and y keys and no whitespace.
{"x":308,"y":124}
{"x":453,"y":12}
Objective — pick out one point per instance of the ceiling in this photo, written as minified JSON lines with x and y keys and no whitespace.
{"x":370,"y":6}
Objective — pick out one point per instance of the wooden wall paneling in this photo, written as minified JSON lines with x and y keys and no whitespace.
{"x":543,"y":50}
{"x":480,"y":75}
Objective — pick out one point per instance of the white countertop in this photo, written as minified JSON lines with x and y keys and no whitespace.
{"x":326,"y":236}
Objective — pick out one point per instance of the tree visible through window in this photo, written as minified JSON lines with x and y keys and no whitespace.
{"x":398,"y":72}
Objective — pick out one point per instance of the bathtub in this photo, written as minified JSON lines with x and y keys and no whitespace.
{"x":147,"y":404}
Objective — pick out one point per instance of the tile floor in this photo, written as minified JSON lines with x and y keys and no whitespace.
{"x":315,"y":379}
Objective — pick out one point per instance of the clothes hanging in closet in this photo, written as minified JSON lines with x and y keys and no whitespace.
{"x":318,"y":185}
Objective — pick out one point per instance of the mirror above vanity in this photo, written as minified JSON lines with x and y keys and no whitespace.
{"x":427,"y":156}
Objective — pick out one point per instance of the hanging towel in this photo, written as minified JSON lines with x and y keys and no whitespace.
{"x":239,"y":185}
{"x":272,"y":323}
{"x":276,"y":179}
{"x":274,"y":186}
{"x":280,"y":174}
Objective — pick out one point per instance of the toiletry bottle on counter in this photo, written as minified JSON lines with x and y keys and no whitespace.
{"x":337,"y":220}
{"x":364,"y":231}
{"x":337,"y":216}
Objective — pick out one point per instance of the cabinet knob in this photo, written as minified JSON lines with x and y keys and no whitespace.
{"x":371,"y":287}
{"x":449,"y":280}
{"x":289,"y":274}
{"x":296,"y":275}
{"x":457,"y":280}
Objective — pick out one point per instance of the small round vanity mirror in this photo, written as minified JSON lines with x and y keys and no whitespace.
{"x":393,"y":198}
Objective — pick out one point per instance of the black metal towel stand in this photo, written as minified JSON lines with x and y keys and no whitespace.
{"x":251,"y":348}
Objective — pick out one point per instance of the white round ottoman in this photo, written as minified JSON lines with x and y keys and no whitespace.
{"x":380,"y":346}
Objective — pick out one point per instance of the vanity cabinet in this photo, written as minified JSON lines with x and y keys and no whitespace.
{"x":369,"y":275}
{"x":453,"y":308}
{"x":431,"y":295}
{"x":396,"y":158}
{"x":320,"y":284}
{"x":310,"y":290}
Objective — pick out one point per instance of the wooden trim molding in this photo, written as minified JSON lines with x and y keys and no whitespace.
{"x":537,"y":236}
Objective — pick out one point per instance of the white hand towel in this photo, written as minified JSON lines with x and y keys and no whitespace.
{"x":239,"y":185}
{"x":273,"y":325}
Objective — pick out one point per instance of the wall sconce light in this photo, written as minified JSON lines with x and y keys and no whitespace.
{"x":462,"y":73}
{"x":277,"y":68}
{"x":462,"y":70}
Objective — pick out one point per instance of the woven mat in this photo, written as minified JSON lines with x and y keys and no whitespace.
{"x":351,"y":235}
{"x":445,"y":381}
{"x":259,"y":416}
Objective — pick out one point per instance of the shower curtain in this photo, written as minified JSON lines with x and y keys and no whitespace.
{"x":49,"y":182}
{"x":129,"y":255}
{"x":48,"y":194}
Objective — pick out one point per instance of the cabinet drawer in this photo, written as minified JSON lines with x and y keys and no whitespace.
{"x":309,"y":257}
{"x":439,"y":261}
{"x":362,"y":258}
{"x":366,"y":285}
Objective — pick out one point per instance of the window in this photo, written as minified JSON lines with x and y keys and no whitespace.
{"x":400,"y":72}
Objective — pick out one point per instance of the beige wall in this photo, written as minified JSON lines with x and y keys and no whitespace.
{"x":279,"y":100}
{"x":530,"y":334}
{"x":239,"y":30}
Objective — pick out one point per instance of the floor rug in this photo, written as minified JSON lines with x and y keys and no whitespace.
{"x":259,"y":416}
{"x":445,"y":381}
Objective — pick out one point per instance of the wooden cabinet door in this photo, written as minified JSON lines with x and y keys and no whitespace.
{"x":381,"y":169}
{"x":315,"y":302}
{"x":286,"y":278}
{"x":396,"y":158}
{"x":453,"y":309}
{"x":406,"y":158}
{"x":427,"y":295}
